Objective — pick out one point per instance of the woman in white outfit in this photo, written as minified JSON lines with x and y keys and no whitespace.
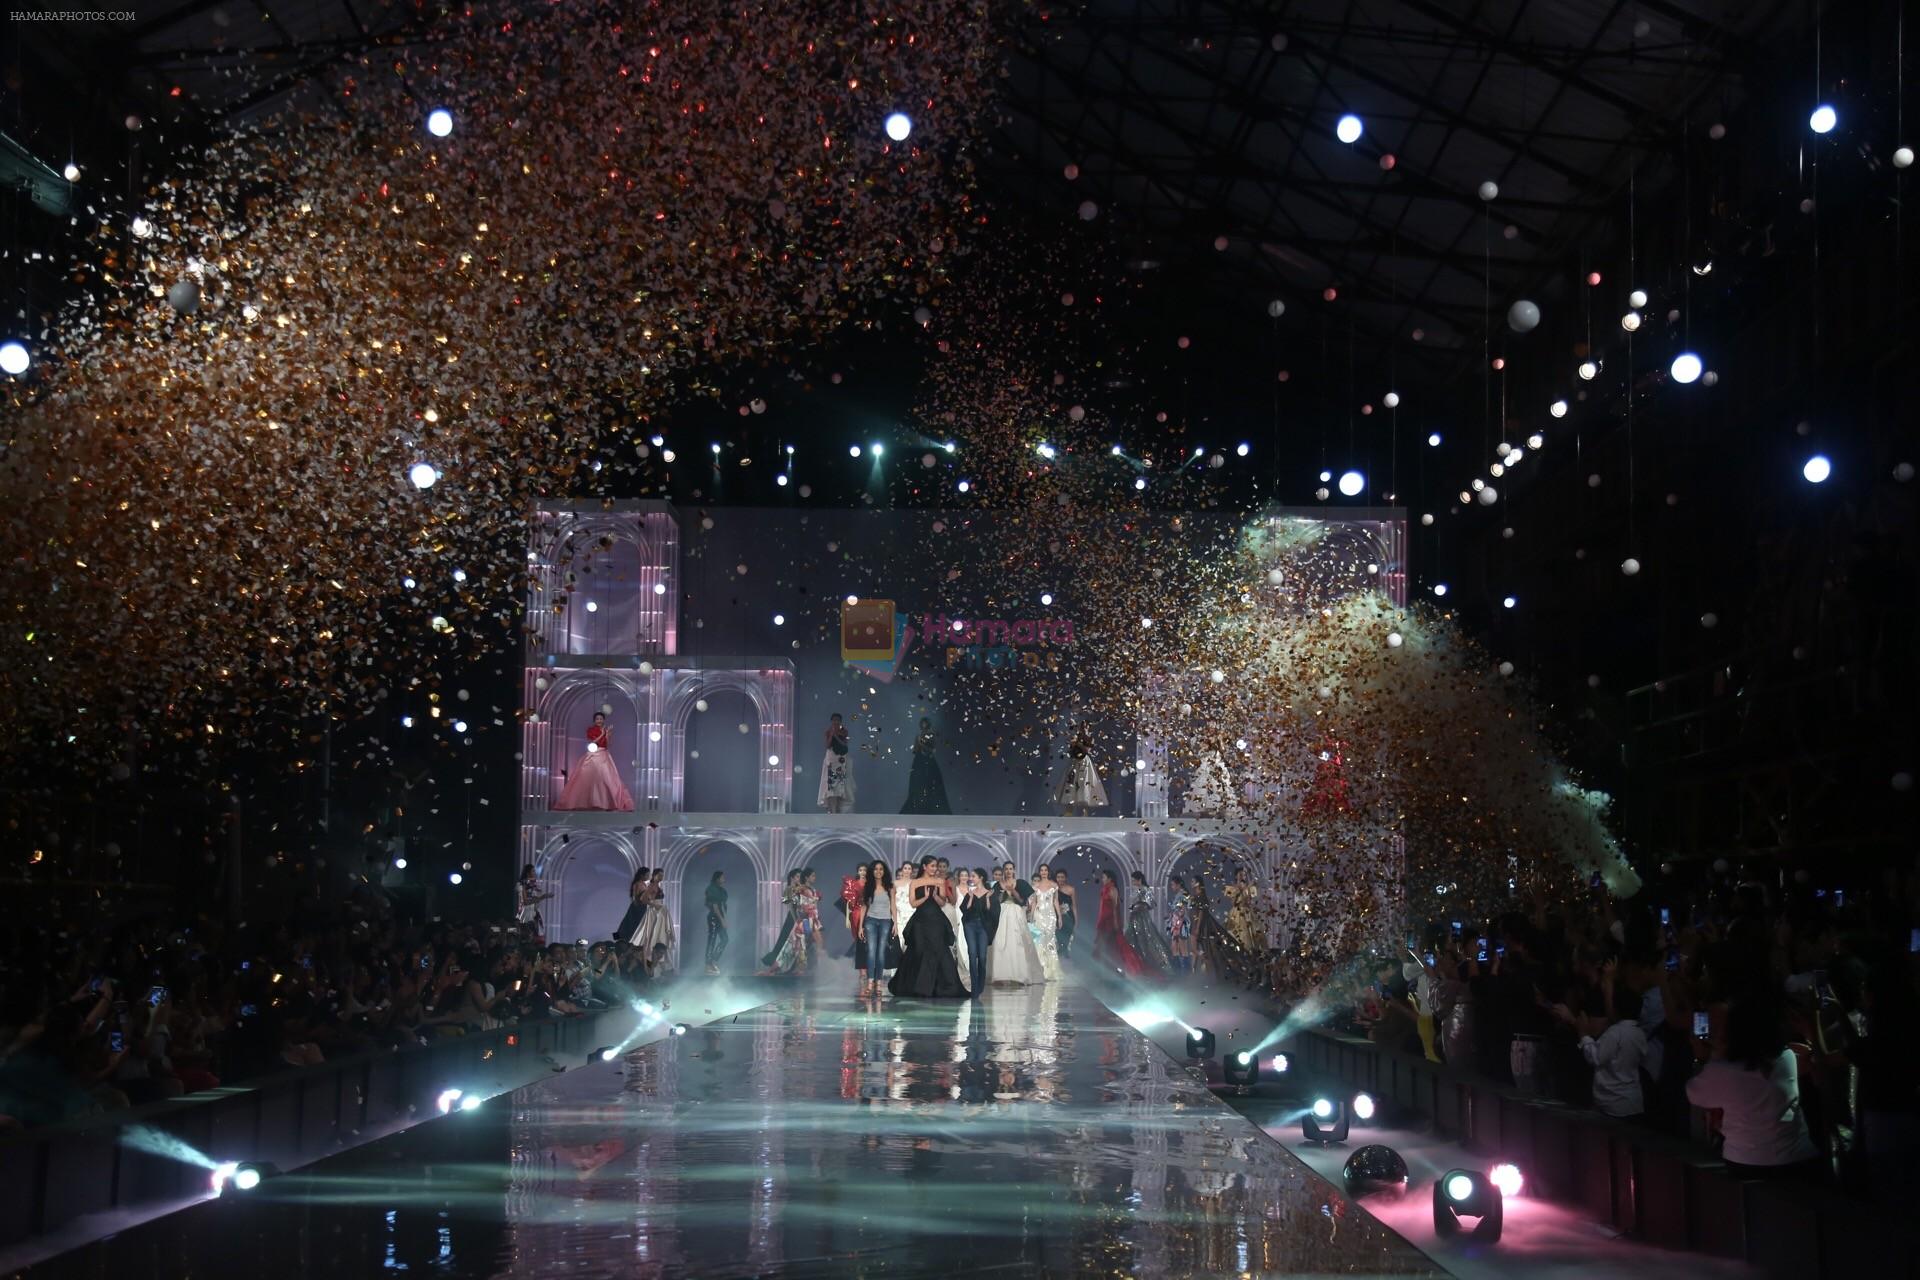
{"x":1012,"y":960}
{"x":836,"y":769}
{"x":1043,"y":913}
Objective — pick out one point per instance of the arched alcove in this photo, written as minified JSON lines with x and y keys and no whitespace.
{"x":587,"y":872}
{"x":1083,"y":858}
{"x":722,"y":770}
{"x":696,"y":874}
{"x":604,"y":582}
{"x":556,"y":742}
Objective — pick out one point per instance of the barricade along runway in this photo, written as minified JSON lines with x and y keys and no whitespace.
{"x":1032,"y":1132}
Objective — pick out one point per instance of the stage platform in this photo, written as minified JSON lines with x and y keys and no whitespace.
{"x":1032,"y":1132}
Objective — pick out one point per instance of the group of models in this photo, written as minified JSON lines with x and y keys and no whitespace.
{"x":935,"y":930}
{"x":594,"y":784}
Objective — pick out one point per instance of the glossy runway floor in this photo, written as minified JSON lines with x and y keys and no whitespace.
{"x":1030,"y":1133}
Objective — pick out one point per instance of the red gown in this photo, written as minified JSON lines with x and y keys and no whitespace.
{"x":1110,"y":945}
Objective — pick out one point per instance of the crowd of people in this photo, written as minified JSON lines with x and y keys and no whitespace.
{"x":1779,"y":1026}
{"x":145,"y":1009}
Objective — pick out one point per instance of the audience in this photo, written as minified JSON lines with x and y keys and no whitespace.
{"x":140,"y":1011}
{"x":1778,"y":1026}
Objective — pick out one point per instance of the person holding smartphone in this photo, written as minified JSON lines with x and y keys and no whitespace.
{"x":1753,"y":1080}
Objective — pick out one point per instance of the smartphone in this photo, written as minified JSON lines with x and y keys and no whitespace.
{"x":94,"y":986}
{"x":249,"y":1010}
{"x":1673,"y":959}
{"x":155,"y":996}
{"x":245,"y":965}
{"x":426,"y":961}
{"x":1700,"y":1029}
{"x":1456,"y":929}
{"x":1431,"y":961}
{"x":1913,"y":940}
{"x":1500,"y":950}
{"x":1839,"y":897}
{"x":1666,"y":915}
{"x":118,"y":1041}
{"x":1482,"y":944}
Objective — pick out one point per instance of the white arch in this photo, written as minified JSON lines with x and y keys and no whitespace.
{"x":678,"y":855}
{"x":805,"y":846}
{"x":690,"y":686}
{"x":1119,"y":847}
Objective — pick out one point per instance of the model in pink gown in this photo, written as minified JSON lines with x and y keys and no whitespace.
{"x":595,"y":781}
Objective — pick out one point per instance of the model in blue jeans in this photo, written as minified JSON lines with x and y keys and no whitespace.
{"x":976,"y":909}
{"x":876,"y":945}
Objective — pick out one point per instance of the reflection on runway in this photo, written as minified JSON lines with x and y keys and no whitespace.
{"x":1031,"y":1132}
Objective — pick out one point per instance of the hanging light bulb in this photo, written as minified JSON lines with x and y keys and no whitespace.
{"x":1349,"y":129}
{"x":1558,"y":408}
{"x":1823,"y":119}
{"x":1588,"y":370}
{"x":1685,"y":368}
{"x":1351,"y":483}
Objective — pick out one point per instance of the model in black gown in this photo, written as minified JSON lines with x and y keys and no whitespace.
{"x":928,"y":969}
{"x":926,"y":788}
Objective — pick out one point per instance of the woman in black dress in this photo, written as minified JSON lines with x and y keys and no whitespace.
{"x":926,"y":788}
{"x":928,"y":969}
{"x":787,"y":897}
{"x":636,"y":906}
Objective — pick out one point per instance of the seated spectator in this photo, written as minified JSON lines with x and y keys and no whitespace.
{"x":1754,"y":1083}
{"x":1614,"y":1045}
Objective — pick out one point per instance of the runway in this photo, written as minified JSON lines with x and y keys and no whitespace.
{"x":1030,"y":1133}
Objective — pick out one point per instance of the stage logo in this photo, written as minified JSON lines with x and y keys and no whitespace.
{"x":875,"y":638}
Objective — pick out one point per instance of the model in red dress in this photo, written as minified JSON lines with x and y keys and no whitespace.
{"x":1110,"y":945}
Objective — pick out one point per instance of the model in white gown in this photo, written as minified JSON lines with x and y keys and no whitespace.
{"x":1211,"y":794}
{"x":1012,"y":958}
{"x":951,"y":909}
{"x":1043,"y":915}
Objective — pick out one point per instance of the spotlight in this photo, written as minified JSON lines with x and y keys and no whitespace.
{"x":964,"y":486}
{"x":1244,"y":449}
{"x":423,"y":475}
{"x":448,"y":1100}
{"x":454,"y":878}
{"x":1817,"y":469}
{"x":1351,"y":483}
{"x":1241,"y":1068}
{"x":876,"y":449}
{"x":1349,"y":129}
{"x":400,"y":864}
{"x":1461,"y":1193}
{"x":949,"y":446}
{"x":439,"y":122}
{"x":1046,"y":597}
{"x":1325,"y":1122}
{"x":1507,"y":1178}
{"x":1375,"y":1168}
{"x":14,"y":358}
{"x":1433,"y":439}
{"x":1045,"y":450}
{"x":679,"y":1028}
{"x":716,"y":448}
{"x":781,"y":480}
{"x":1508,"y":602}
{"x":1558,"y":408}
{"x":1588,"y":371}
{"x":240,"y":1175}
{"x":1823,"y":119}
{"x":470,"y":1102}
{"x":660,"y":440}
{"x":1439,"y":588}
{"x":1281,"y":1063}
{"x":1363,"y":1106}
{"x":606,"y":1053}
{"x":1199,"y":1043}
{"x":899,"y":126}
{"x":853,"y":451}
{"x":1139,"y":482}
{"x":1685,"y":367}
{"x":72,"y":172}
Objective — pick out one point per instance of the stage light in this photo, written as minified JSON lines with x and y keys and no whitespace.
{"x":1375,"y":1169}
{"x":853,"y":451}
{"x":400,"y":864}
{"x":71,"y":173}
{"x":853,"y":599}
{"x":1139,"y":482}
{"x":448,"y":1100}
{"x":1352,"y":482}
{"x":14,"y":358}
{"x":1325,"y":476}
{"x":423,"y":475}
{"x":773,"y":760}
{"x":1242,"y":1068}
{"x":459,"y":726}
{"x":659,"y":588}
{"x":1507,"y":1178}
{"x":1439,"y":588}
{"x":1281,"y":1063}
{"x":667,"y":455}
{"x":1630,"y":321}
{"x":949,"y":446}
{"x":1685,"y":367}
{"x":779,"y":619}
{"x":1536,"y":441}
{"x":899,"y":126}
{"x":593,"y":606}
{"x":1363,"y":1106}
{"x":240,"y":1176}
{"x":1046,"y":597}
{"x":1325,"y":1121}
{"x":1462,"y":1194}
{"x":1508,"y":603}
{"x":1433,"y":439}
{"x":1116,"y":451}
{"x":716,"y":448}
{"x":1045,"y":450}
{"x":439,"y":122}
{"x":964,"y":486}
{"x":1349,"y":129}
{"x":781,"y":479}
{"x":1244,"y":449}
{"x":454,"y":877}
{"x":679,"y":1028}
{"x":1199,"y":1043}
{"x":660,"y":440}
{"x":1588,"y":371}
{"x":1902,"y":158}
{"x":606,"y":1053}
{"x":1823,"y":119}
{"x":876,"y":449}
{"x":1817,"y":469}
{"x":470,"y":1102}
